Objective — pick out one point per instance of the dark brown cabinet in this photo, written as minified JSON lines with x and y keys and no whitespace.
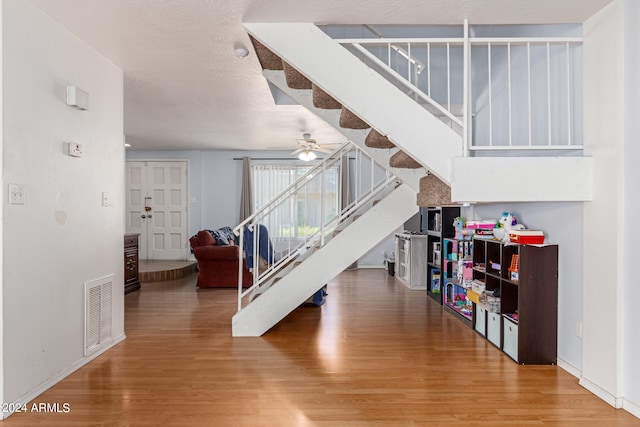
{"x":131,"y":281}
{"x":526,"y":279}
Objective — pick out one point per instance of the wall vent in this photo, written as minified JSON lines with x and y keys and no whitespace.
{"x":98,"y":313}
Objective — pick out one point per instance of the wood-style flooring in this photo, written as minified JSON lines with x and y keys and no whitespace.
{"x":375,"y":354}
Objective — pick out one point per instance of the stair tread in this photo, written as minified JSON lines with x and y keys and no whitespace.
{"x":323,"y":100}
{"x":295,"y":79}
{"x":268,"y":60}
{"x":350,"y":121}
{"x":376,"y":140}
{"x":403,"y":160}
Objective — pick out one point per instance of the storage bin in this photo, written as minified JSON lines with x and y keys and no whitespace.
{"x":493,"y":328}
{"x":510,"y":334}
{"x":481,"y":320}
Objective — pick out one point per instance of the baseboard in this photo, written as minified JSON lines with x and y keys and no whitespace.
{"x":612,"y":400}
{"x":569,"y":368}
{"x":616,"y":402}
{"x":631,"y":408}
{"x":32,"y":394}
{"x":371,"y":266}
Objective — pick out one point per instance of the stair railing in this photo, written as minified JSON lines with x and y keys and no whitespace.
{"x":304,"y":215}
{"x":499,"y":93}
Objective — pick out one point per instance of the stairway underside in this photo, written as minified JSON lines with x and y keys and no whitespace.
{"x":285,"y":295}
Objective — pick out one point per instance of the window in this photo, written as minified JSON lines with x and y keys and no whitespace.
{"x":301,"y":214}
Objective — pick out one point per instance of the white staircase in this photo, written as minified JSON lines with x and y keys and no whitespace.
{"x":373,"y":204}
{"x":414,"y":129}
{"x":364,"y":92}
{"x":325,"y":263}
{"x":410,"y":177}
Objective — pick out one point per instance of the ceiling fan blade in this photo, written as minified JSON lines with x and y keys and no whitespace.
{"x":323,"y":150}
{"x":297,"y":151}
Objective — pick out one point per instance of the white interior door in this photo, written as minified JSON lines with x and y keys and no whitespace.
{"x":157,"y":208}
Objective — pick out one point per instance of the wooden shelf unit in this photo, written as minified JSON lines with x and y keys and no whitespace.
{"x":437,"y":224}
{"x":131,"y":280}
{"x":454,"y":296}
{"x":526,"y":328}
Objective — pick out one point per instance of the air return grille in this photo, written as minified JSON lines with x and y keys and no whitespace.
{"x":98,"y":313}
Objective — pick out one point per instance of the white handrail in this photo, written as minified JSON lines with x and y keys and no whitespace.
{"x":498,"y":120}
{"x":408,"y":84}
{"x":363,"y":166}
{"x":293,"y":184}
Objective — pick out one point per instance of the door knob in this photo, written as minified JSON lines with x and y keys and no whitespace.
{"x":144,"y":216}
{"x":150,"y":216}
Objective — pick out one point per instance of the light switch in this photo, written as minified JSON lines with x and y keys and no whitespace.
{"x":16,"y":194}
{"x":105,"y":199}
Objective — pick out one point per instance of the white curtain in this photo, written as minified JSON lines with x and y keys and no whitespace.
{"x":300,"y":215}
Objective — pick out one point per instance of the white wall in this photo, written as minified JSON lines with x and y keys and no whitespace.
{"x":61,"y":237}
{"x":631,"y":292}
{"x":562,"y":224}
{"x":2,"y":195}
{"x":604,"y":226}
{"x":215,"y":180}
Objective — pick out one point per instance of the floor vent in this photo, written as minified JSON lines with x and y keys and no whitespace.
{"x":98,"y":313}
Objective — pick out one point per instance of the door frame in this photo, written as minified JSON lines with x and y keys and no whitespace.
{"x":187,"y":210}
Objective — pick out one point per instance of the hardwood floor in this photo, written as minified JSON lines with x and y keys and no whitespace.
{"x":375,"y":353}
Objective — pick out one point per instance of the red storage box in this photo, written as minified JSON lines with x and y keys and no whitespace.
{"x":526,"y":237}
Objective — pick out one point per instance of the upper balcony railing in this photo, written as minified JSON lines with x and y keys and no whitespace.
{"x":499,"y":93}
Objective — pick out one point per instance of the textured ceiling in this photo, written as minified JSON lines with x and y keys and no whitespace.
{"x":184,"y":88}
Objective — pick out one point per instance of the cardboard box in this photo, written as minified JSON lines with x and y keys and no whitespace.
{"x":526,"y":237}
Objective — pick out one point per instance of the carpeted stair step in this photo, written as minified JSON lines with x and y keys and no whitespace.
{"x":295,"y":79}
{"x":268,"y":60}
{"x":349,"y":120}
{"x":323,"y":100}
{"x":433,"y":192}
{"x":403,"y":160}
{"x":376,"y":140}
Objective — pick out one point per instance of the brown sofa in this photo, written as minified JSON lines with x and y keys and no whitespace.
{"x":218,"y":263}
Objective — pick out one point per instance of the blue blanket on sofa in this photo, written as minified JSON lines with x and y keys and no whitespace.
{"x":265,"y":248}
{"x":223,"y":235}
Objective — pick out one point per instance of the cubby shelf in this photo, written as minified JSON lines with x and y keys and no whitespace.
{"x":526,"y":327}
{"x":437,"y":224}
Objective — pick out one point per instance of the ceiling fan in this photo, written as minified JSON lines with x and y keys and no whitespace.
{"x":307,"y":148}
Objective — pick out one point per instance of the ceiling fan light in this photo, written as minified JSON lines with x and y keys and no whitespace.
{"x":307,"y":155}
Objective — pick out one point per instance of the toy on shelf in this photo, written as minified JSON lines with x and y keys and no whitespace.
{"x":481,"y":228}
{"x":505,"y":224}
{"x":462,"y":233}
